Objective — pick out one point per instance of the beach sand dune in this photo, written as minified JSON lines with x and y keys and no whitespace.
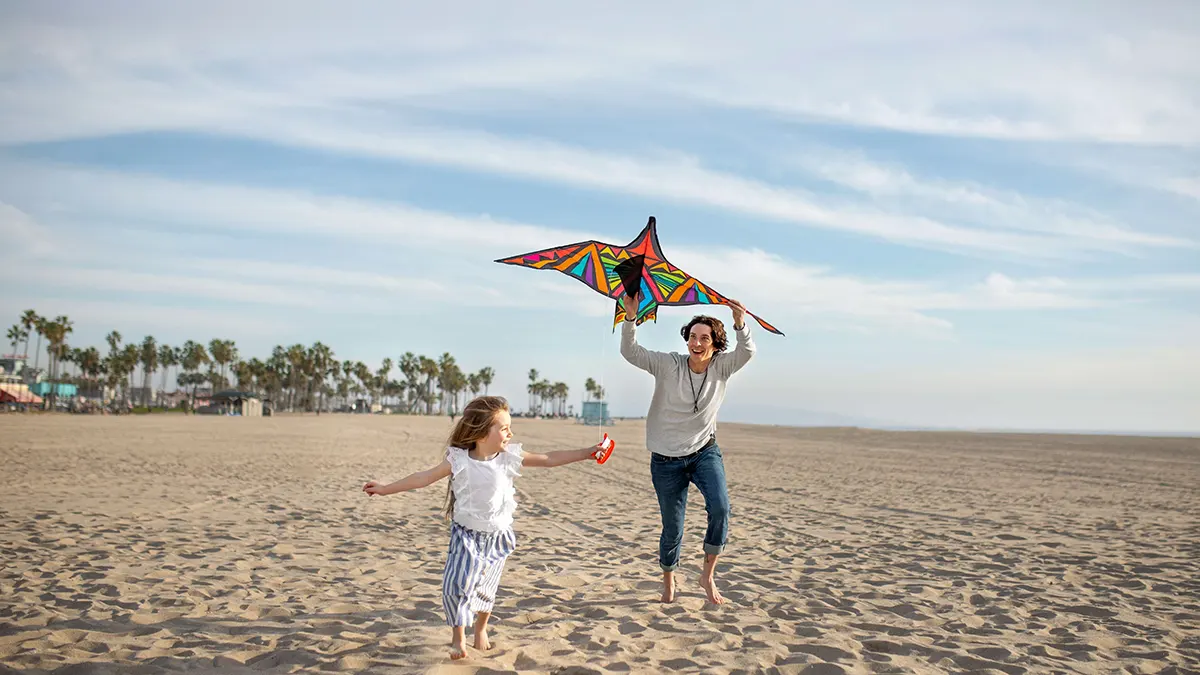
{"x":163,"y":543}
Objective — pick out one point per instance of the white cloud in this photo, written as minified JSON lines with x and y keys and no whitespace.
{"x":676,"y":180}
{"x":1000,"y":209}
{"x":682,"y":181}
{"x":1001,"y":70}
{"x":92,"y":319}
{"x":20,"y":235}
{"x":342,"y":83}
{"x":781,"y":291}
{"x":168,"y":205}
{"x":1188,"y":187}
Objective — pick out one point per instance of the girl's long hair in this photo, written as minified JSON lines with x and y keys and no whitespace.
{"x":472,"y":427}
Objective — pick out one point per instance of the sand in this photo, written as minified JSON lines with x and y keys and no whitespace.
{"x":162,"y":543}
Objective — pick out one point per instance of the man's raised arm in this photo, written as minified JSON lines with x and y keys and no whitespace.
{"x":649,"y":361}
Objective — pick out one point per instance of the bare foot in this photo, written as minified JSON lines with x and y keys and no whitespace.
{"x":668,"y":591}
{"x":457,"y":651}
{"x":481,"y":642}
{"x":710,"y":589}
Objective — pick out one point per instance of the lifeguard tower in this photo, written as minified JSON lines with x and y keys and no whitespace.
{"x":595,"y":413}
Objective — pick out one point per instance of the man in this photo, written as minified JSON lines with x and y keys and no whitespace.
{"x":681,"y":431}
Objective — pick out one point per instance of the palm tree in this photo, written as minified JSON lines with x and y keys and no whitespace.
{"x":344,"y":383}
{"x":166,"y":359}
{"x":457,"y":383}
{"x":244,"y":375}
{"x":223,"y":353}
{"x":129,"y":360}
{"x":113,"y":371}
{"x":39,"y":327}
{"x":258,"y":375}
{"x":29,"y":321}
{"x":294,"y":357}
{"x":70,"y":356}
{"x":194,"y":356}
{"x":56,"y":332}
{"x":277,"y":365}
{"x":363,"y":373}
{"x":15,"y":335}
{"x":177,"y":361}
{"x":411,"y":367}
{"x":589,"y":386}
{"x":149,"y":359}
{"x":486,"y":374}
{"x":385,"y":369}
{"x":324,"y":365}
{"x":89,"y":364}
{"x":532,"y":388}
{"x":445,"y":379}
{"x":559,"y":391}
{"x":349,"y":372}
{"x":428,"y":368}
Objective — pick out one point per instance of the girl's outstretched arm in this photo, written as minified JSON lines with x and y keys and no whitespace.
{"x":410,"y":482}
{"x":559,"y":457}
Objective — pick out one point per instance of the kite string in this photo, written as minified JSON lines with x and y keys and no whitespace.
{"x":603,"y":394}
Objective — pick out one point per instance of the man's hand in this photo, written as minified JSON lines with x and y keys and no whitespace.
{"x":739,"y":314}
{"x":629,"y":304}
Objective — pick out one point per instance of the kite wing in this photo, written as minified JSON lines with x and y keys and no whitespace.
{"x":639,"y":266}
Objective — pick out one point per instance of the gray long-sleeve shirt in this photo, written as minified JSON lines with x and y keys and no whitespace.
{"x":672,"y":428}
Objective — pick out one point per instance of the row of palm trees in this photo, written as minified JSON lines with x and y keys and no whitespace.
{"x":546,"y":398}
{"x":294,"y":378}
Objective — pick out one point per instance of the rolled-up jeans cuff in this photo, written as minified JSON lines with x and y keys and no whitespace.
{"x":669,"y":568}
{"x":713,"y":549}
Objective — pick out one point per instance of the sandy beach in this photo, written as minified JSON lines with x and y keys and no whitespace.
{"x":164,"y":543}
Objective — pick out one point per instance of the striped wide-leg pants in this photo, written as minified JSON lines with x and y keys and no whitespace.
{"x":474,"y":564}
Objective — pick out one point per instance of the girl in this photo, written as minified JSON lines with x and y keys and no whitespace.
{"x":481,"y":464}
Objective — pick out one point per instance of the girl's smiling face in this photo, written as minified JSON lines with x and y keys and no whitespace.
{"x":499,"y":434}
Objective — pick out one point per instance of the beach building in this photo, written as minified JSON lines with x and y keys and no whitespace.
{"x":595,"y":412}
{"x":232,"y":402}
{"x":61,"y":390}
{"x":18,"y":393}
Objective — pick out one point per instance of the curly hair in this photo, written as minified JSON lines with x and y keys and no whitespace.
{"x":474,"y":426}
{"x":720,"y":340}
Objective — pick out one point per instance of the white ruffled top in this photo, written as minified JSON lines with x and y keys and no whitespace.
{"x":484,"y":495}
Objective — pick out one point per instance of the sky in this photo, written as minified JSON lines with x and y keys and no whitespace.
{"x":962,"y":214}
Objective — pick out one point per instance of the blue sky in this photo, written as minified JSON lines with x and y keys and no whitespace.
{"x":979,"y":215}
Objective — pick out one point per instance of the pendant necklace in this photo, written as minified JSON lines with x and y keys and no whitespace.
{"x":695,"y":395}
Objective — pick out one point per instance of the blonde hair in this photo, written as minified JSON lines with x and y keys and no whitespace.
{"x":474,"y":426}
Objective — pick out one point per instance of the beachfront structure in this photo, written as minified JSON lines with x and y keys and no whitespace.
{"x":15,"y":392}
{"x":61,"y":390}
{"x":12,"y":364}
{"x":595,"y":412}
{"x":244,"y":403}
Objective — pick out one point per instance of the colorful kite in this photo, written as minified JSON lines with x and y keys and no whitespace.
{"x":639,"y":265}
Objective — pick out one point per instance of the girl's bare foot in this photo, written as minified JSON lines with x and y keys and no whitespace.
{"x":481,"y":637}
{"x":458,"y":644}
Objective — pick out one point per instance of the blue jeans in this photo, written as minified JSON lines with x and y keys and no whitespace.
{"x":671,"y":477}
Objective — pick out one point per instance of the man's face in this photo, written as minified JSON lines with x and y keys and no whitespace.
{"x":700,"y":343}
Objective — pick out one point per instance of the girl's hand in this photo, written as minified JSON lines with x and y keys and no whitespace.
{"x":602,"y":450}
{"x":372,"y":488}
